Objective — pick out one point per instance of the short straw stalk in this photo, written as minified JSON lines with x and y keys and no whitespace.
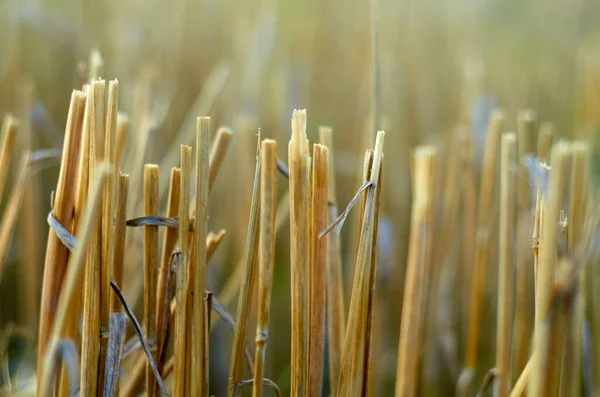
{"x":247,"y":284}
{"x":482,"y":242}
{"x":150,"y":262}
{"x":508,"y":196}
{"x":336,"y":314}
{"x":539,"y":384}
{"x":300,"y":243}
{"x":120,"y":237}
{"x":199,"y":366}
{"x":268,"y":205}
{"x":420,"y":233}
{"x":180,"y":348}
{"x":317,"y":271}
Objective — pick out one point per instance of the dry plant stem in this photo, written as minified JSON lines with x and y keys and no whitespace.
{"x":120,"y":237}
{"x":108,"y":213}
{"x":539,"y":384}
{"x":484,"y":211}
{"x":91,"y":332}
{"x":268,"y":205}
{"x":508,"y":196}
{"x":246,"y":287}
{"x":164,"y":272}
{"x":526,"y":124}
{"x":56,"y":252}
{"x":71,"y":329}
{"x":217,"y":154}
{"x":317,"y":271}
{"x":122,"y":133}
{"x":573,"y":347}
{"x":543,"y":153}
{"x":300,"y":243}
{"x":350,"y":349}
{"x":180,"y":349}
{"x":336,"y":313}
{"x":150,"y":263}
{"x":421,"y":216}
{"x":357,"y":342}
{"x":11,"y":213}
{"x":88,"y":229}
{"x":9,"y":130}
{"x":199,"y":368}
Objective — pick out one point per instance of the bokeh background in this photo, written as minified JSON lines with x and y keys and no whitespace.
{"x":417,"y":69}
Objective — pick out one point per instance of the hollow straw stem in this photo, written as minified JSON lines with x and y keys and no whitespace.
{"x":180,"y":384}
{"x":56,"y":252}
{"x":300,"y":249}
{"x":508,"y":205}
{"x":247,"y":285}
{"x":164,"y":273}
{"x":199,"y":366}
{"x":91,"y":332}
{"x":150,"y":262}
{"x":482,"y":241}
{"x":120,"y":237}
{"x":108,"y":214}
{"x":317,"y":271}
{"x":268,"y":205}
{"x":573,"y":346}
{"x":336,"y":313}
{"x":421,"y":215}
{"x":538,"y":384}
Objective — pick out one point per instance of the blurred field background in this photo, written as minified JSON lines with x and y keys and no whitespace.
{"x":417,"y":69}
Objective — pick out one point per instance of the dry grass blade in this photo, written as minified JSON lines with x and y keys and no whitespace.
{"x":268,"y":205}
{"x":265,"y":383}
{"x":336,"y":312}
{"x":143,"y":339}
{"x":247,"y":284}
{"x":317,"y":271}
{"x":155,"y":220}
{"x":508,"y":196}
{"x":199,"y":368}
{"x":9,"y":130}
{"x":88,"y":229}
{"x":56,"y":252}
{"x":339,"y":221}
{"x":484,"y":214}
{"x":120,"y":236}
{"x":420,"y":233}
{"x":300,"y":249}
{"x":150,"y":261}
{"x":114,"y":352}
{"x":540,"y":384}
